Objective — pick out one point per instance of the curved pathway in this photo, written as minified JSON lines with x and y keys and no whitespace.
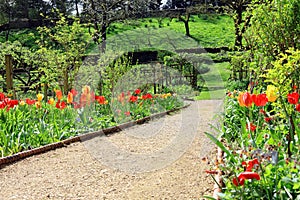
{"x":157,"y":160}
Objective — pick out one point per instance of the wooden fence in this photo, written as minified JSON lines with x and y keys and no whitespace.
{"x":162,"y":77}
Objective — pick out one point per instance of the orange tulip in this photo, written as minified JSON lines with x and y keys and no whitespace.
{"x":70,"y":97}
{"x":59,"y":94}
{"x":245,"y":99}
{"x":51,"y":101}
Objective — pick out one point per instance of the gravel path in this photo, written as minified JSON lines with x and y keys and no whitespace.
{"x":157,"y":160}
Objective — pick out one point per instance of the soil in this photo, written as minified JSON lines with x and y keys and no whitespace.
{"x":161,"y":159}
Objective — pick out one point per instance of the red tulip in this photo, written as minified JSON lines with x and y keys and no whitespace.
{"x":137,"y":91}
{"x":250,"y":164}
{"x":240,"y":180}
{"x":100,"y":99}
{"x":268,"y":119}
{"x":147,"y":96}
{"x":293,"y":98}
{"x":298,"y":107}
{"x":61,"y":104}
{"x":295,"y":87}
{"x":2,"y":105}
{"x":251,"y":127}
{"x":2,"y":96}
{"x":127,"y":113}
{"x":74,"y":92}
{"x":133,"y":99}
{"x":262,"y":111}
{"x":30,"y":102}
{"x":260,"y":99}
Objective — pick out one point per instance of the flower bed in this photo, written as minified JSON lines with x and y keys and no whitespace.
{"x":30,"y":123}
{"x":260,"y":141}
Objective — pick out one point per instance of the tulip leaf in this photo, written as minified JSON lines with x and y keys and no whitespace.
{"x":220,"y":145}
{"x":208,"y":197}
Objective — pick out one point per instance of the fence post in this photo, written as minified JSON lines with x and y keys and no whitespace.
{"x":9,"y":74}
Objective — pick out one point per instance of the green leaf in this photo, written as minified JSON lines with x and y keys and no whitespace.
{"x":209,"y":197}
{"x":220,"y":145}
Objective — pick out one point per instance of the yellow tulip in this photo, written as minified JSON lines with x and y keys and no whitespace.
{"x":51,"y":101}
{"x":272,"y":93}
{"x":38,"y":104}
{"x":22,"y":103}
{"x":40,"y":97}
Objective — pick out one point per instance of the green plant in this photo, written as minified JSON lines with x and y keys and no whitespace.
{"x":262,"y":129}
{"x":62,"y":48}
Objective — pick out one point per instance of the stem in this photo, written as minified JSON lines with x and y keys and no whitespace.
{"x":291,"y":130}
{"x":265,"y":181}
{"x":215,"y":181}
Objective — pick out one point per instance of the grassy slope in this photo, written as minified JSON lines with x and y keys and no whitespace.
{"x":214,"y":82}
{"x":209,"y":31}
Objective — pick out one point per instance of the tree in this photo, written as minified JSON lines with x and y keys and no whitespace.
{"x":101,"y":13}
{"x":155,"y":5}
{"x":63,"y":6}
{"x":236,"y":9}
{"x":184,"y":11}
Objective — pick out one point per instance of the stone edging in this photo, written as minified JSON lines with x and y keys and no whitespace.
{"x":24,"y":154}
{"x":218,"y":176}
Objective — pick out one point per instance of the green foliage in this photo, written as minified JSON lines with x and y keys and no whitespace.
{"x":286,"y":71}
{"x":62,"y":48}
{"x":27,"y":127}
{"x":274,"y":30}
{"x":113,"y":72}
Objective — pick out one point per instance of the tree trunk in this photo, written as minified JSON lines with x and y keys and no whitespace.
{"x":103,"y":37}
{"x":186,"y":23}
{"x":76,"y":8}
{"x":187,"y":28}
{"x":237,"y":24}
{"x":103,"y":32}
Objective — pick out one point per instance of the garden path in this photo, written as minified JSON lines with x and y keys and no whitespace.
{"x":162,"y":160}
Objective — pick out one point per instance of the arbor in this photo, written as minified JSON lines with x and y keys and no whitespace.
{"x":101,"y":13}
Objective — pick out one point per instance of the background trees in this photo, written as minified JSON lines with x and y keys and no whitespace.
{"x":101,"y":13}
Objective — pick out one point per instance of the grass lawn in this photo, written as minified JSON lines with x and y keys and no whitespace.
{"x":206,"y":31}
{"x":214,"y":82}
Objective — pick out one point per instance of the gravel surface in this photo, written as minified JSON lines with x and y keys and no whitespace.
{"x":161,"y":159}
